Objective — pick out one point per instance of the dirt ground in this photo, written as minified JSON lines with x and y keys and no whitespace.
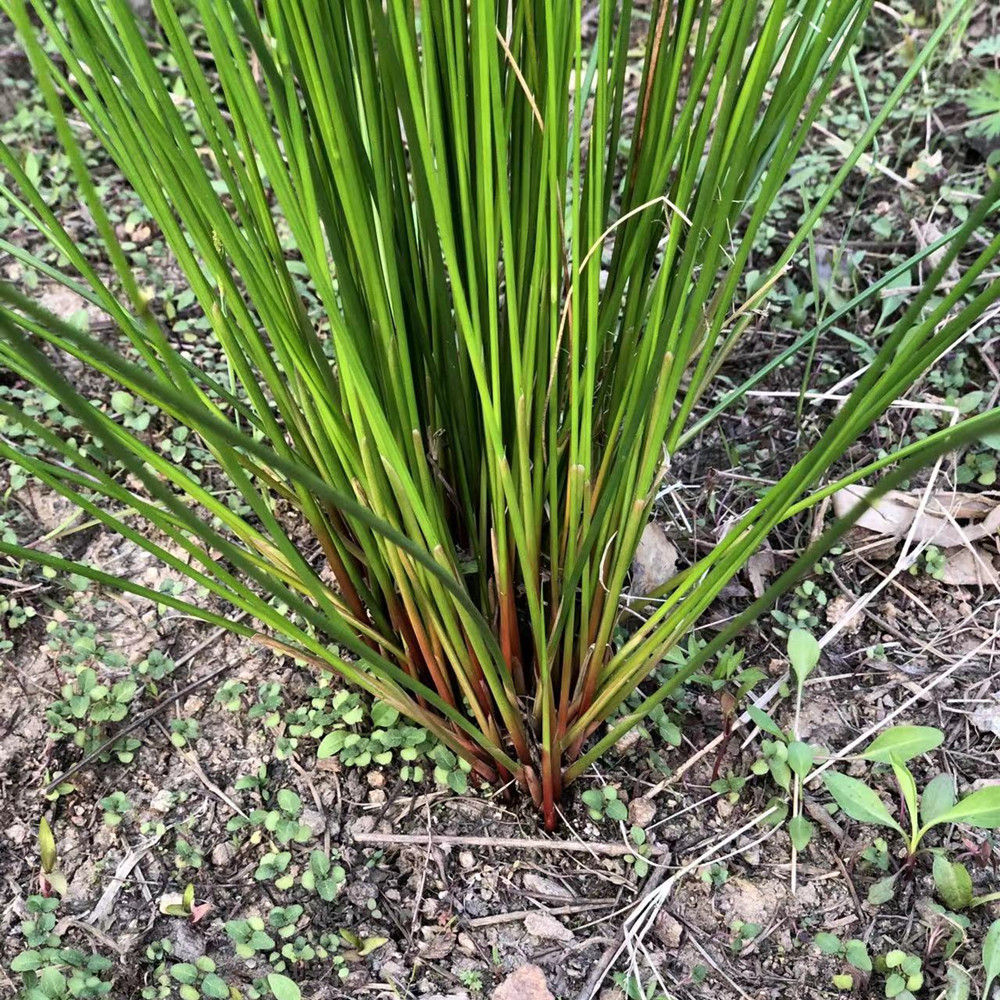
{"x":224,"y":778}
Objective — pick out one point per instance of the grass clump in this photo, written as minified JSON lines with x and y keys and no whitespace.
{"x":471,"y":310}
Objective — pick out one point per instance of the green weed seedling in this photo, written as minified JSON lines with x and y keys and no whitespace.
{"x":936,"y":806}
{"x":854,"y":951}
{"x":903,"y":973}
{"x":282,"y":820}
{"x":196,"y":980}
{"x":786,"y":758}
{"x":115,"y":806}
{"x":604,"y":803}
{"x":322,"y":877}
{"x":50,"y":971}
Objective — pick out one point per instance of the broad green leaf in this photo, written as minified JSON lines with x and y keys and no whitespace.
{"x":938,"y":798}
{"x":803,"y":653}
{"x":991,"y":956}
{"x":27,"y":961}
{"x":858,"y":800}
{"x":903,"y":743}
{"x":371,"y":944}
{"x":283,"y":988}
{"x":800,"y":758}
{"x":800,"y":830}
{"x":980,"y":809}
{"x":953,"y":883}
{"x":384,"y":715}
{"x":289,"y":800}
{"x":908,"y":787}
{"x":764,"y":721}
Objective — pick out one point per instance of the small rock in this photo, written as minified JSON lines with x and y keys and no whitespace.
{"x":668,"y":929}
{"x":539,"y":885}
{"x":17,"y":833}
{"x":545,"y":926}
{"x":363,"y":824}
{"x":375,"y":779}
{"x":525,"y":983}
{"x":314,"y":819}
{"x":641,"y":812}
{"x":377,"y":796}
{"x":189,"y":945}
{"x":467,"y":859}
{"x":724,"y":808}
{"x":222,"y":854}
{"x":162,"y":801}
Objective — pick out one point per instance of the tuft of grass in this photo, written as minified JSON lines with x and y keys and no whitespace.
{"x":471,"y":309}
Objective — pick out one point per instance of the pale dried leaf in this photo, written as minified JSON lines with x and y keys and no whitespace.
{"x":760,"y":568}
{"x":655,"y":560}
{"x":987,"y":718}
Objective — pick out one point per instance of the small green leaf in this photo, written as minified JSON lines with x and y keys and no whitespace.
{"x":856,"y":952}
{"x":895,"y":958}
{"x":959,"y":983}
{"x":214,"y":986}
{"x":844,"y":981}
{"x":882,"y":891}
{"x":904,"y":743}
{"x":908,"y":787}
{"x":370,"y":944}
{"x":184,"y":972}
{"x":803,"y":653}
{"x":953,"y":883}
{"x":938,"y":798}
{"x":384,"y":715}
{"x":991,"y":955}
{"x":828,"y":944}
{"x":800,"y":830}
{"x":894,"y":985}
{"x":859,"y":801}
{"x":46,"y":846}
{"x":27,"y":961}
{"x":283,"y":988}
{"x":616,"y":810}
{"x":980,"y":809}
{"x":121,"y":401}
{"x":764,"y":721}
{"x":289,"y":801}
